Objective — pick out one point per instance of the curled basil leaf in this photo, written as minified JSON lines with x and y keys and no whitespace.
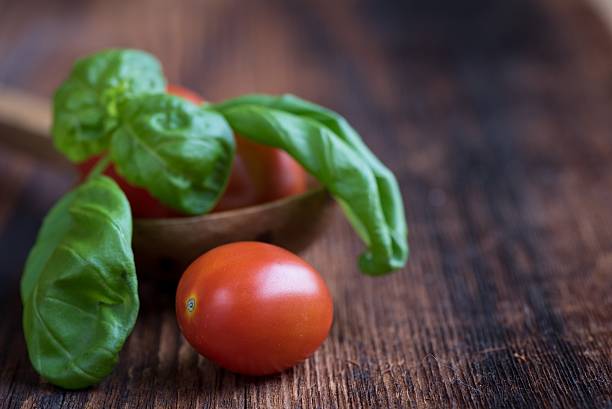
{"x":330,"y":149}
{"x":85,"y":106}
{"x":181,"y":153}
{"x":79,"y":288}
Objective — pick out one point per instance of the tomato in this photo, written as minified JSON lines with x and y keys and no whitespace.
{"x":253,"y":308}
{"x":259,"y":174}
{"x":183,"y":92}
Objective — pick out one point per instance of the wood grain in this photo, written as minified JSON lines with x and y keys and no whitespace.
{"x":496,"y":118}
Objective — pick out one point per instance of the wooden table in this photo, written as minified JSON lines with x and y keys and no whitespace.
{"x":496,"y":117}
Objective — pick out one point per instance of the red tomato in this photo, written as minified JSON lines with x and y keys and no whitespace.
{"x":261,"y":174}
{"x":253,"y":308}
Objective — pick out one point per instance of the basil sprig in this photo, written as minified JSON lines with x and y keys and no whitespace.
{"x":332,"y":151}
{"x":115,"y":101}
{"x":79,"y":288}
{"x":86,"y":105}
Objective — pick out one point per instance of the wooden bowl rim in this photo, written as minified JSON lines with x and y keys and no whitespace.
{"x":228,"y":214}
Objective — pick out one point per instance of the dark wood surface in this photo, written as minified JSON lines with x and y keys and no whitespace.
{"x":496,"y":116}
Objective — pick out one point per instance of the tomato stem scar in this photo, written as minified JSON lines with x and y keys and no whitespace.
{"x":190,"y":304}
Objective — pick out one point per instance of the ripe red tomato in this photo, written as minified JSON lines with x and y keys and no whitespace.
{"x":261,"y":174}
{"x":253,"y":308}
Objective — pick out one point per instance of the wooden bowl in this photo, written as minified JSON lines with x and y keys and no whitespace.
{"x":166,"y":246}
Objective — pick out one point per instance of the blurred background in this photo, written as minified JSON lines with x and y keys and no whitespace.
{"x":495,"y":117}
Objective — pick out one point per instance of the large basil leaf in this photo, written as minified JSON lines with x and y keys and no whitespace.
{"x":179,"y":152}
{"x":329,"y":148}
{"x":79,"y":288}
{"x":85,"y":106}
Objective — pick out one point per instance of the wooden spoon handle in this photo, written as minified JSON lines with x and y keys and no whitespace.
{"x":25,"y":121}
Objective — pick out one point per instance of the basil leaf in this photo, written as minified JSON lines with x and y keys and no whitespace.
{"x":330,"y":149}
{"x":85,"y":106}
{"x":79,"y":288}
{"x":181,"y":153}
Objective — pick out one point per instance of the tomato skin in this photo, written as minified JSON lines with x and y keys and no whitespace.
{"x":261,"y":174}
{"x":143,"y":205}
{"x":183,"y":92}
{"x":253,"y":308}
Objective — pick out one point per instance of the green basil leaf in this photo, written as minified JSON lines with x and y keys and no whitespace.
{"x":85,"y":106}
{"x":79,"y":288}
{"x":181,"y":153}
{"x":330,"y":149}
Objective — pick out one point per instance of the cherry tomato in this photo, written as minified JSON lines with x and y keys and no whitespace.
{"x":253,"y":308}
{"x":261,"y":174}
